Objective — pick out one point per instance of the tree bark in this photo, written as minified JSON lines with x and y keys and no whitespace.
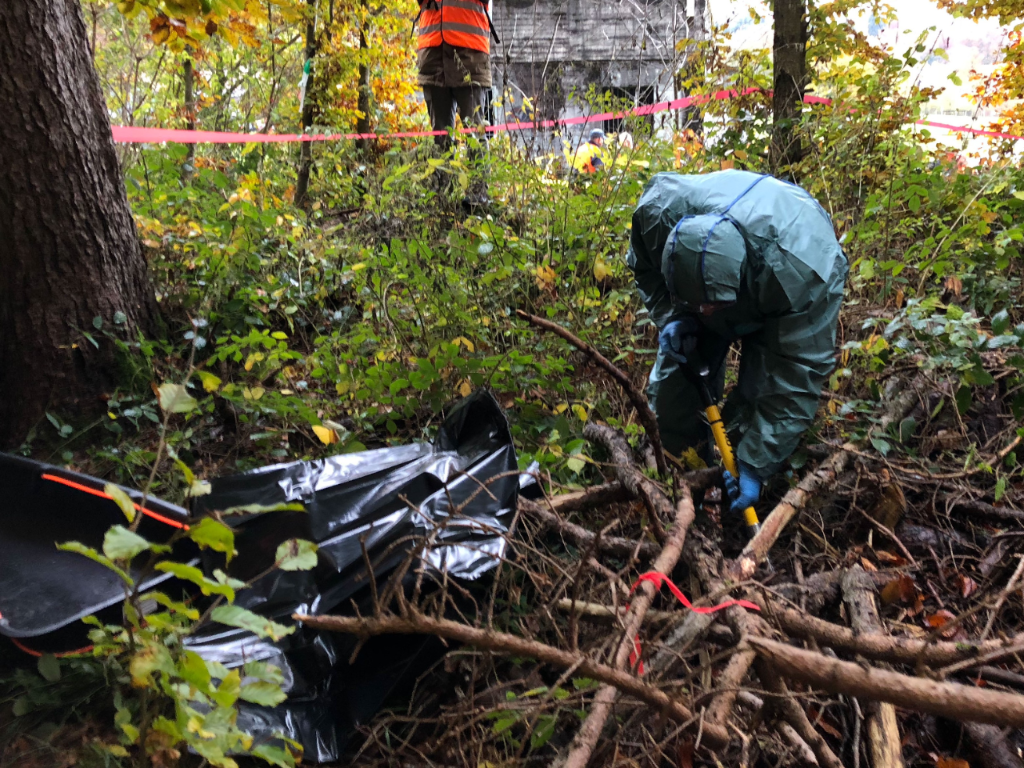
{"x":188,"y":80}
{"x":789,"y":51}
{"x":70,"y":251}
{"x":306,"y":147}
{"x":365,"y":95}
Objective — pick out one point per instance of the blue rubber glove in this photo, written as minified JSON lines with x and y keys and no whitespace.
{"x":678,"y":339}
{"x":743,"y":491}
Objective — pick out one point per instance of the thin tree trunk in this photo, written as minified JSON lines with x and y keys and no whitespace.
{"x":188,"y":76}
{"x":306,"y":148}
{"x":70,"y":251}
{"x":364,"y":100}
{"x":790,"y":62}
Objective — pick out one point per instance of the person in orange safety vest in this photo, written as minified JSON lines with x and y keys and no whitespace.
{"x":454,"y":59}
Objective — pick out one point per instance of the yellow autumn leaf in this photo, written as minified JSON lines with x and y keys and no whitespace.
{"x":210,"y":382}
{"x":464,"y":342}
{"x":601,"y":271}
{"x":692,"y":459}
{"x":253,"y":394}
{"x":465,"y":388}
{"x":580,"y":411}
{"x":327,"y":436}
{"x":561,"y":408}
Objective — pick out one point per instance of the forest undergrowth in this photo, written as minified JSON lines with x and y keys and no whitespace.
{"x":894,"y":536}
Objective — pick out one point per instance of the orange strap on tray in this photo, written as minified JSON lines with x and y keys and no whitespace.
{"x":102,"y":495}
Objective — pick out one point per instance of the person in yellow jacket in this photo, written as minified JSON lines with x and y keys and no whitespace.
{"x":591,"y":157}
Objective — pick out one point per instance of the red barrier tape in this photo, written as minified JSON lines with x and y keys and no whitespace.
{"x":660,"y":580}
{"x":134,"y":135}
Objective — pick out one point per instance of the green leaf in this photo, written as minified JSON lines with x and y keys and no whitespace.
{"x":236,"y":616}
{"x":227,"y":692}
{"x":296,"y":555}
{"x":174,"y":398}
{"x":1000,"y":488}
{"x":122,"y":499}
{"x":151,"y":657}
{"x":97,"y":322}
{"x":963,"y":400}
{"x":213,"y":534}
{"x":259,"y":509}
{"x":193,"y":670}
{"x":543,"y":732}
{"x":882,"y":446}
{"x":502,"y":725}
{"x":575,"y":465}
{"x":907,"y":428}
{"x":282,"y":758}
{"x":260,"y":670}
{"x":263,"y":693}
{"x":172,"y":605}
{"x":121,"y":544}
{"x":49,"y":667}
{"x":80,"y":549}
{"x":1000,"y":322}
{"x":193,"y":574}
{"x":22,"y":706}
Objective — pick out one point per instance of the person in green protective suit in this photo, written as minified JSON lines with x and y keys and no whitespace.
{"x":737,"y":256}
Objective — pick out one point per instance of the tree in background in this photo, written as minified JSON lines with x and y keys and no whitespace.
{"x":789,"y":55}
{"x":71,"y":258}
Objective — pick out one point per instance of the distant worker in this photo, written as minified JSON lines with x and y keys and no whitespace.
{"x":591,"y":157}
{"x":736,"y":256}
{"x":455,"y":67}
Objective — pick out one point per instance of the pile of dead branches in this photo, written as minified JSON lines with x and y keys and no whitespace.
{"x":877,"y":638}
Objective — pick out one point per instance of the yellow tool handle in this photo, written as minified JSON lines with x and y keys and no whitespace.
{"x":729,"y":460}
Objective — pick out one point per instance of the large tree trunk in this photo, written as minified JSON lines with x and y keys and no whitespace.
{"x":790,"y":65}
{"x":68,"y":248}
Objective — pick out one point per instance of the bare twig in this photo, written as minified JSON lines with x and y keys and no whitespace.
{"x":643,"y":410}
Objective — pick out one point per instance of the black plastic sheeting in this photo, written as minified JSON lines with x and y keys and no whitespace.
{"x":458,"y":494}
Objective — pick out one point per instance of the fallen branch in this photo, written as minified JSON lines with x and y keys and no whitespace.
{"x":785,"y":705}
{"x":988,"y":510}
{"x":626,"y":471}
{"x":951,"y":700}
{"x":756,"y":550}
{"x":643,"y":410}
{"x":612,"y":545}
{"x":883,"y":730}
{"x":589,"y":733}
{"x":500,"y":642}
{"x":895,"y":650}
{"x":590,"y":498}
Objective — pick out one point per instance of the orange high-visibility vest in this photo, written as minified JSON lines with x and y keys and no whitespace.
{"x":462,"y":23}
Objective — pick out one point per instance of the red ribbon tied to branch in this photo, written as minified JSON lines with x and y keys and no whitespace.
{"x":660,"y":580}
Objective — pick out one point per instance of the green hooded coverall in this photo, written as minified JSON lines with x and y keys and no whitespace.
{"x":769,"y":247}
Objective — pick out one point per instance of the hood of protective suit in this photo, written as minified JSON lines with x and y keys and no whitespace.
{"x":704,"y":260}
